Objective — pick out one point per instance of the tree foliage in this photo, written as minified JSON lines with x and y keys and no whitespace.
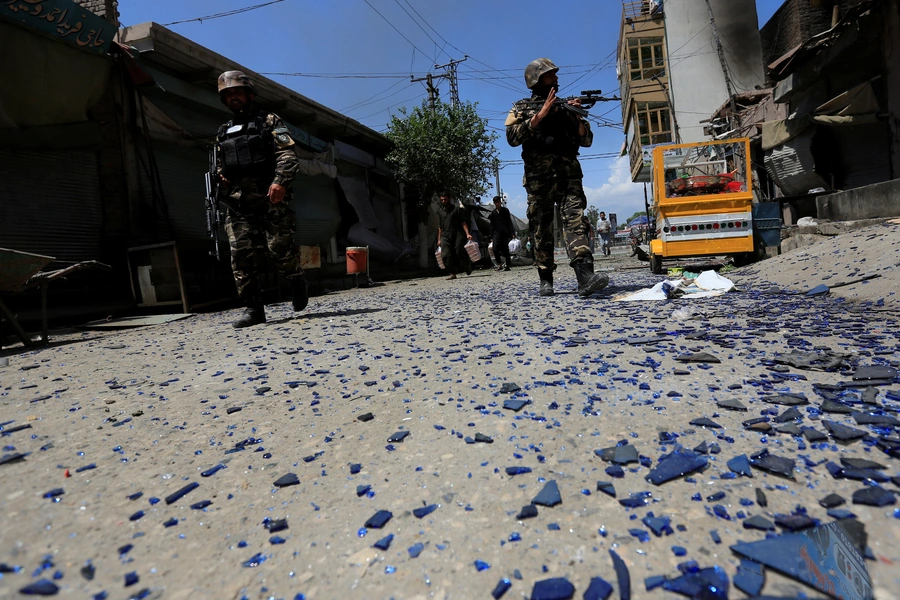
{"x":451,"y":149}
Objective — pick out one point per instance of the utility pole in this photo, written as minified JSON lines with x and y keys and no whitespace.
{"x":497,"y":175}
{"x":451,"y":75}
{"x":432,"y":91}
{"x":721,"y":52}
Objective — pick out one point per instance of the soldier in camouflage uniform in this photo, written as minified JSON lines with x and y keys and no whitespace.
{"x":257,"y":164}
{"x":550,"y":137}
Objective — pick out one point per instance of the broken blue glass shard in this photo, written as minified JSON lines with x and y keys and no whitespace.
{"x":636,"y":500}
{"x":843,"y":433}
{"x":624,"y":455}
{"x":276,"y":540}
{"x":255,"y":560}
{"x":480,"y":565}
{"x":658,"y":525}
{"x":233,"y":409}
{"x":819,"y":290}
{"x":654,"y":581}
{"x":679,"y":550}
{"x":759,"y":522}
{"x":137,"y":515}
{"x":790,"y":414}
{"x":698,"y":357}
{"x":740,"y":465}
{"x":795,"y":522}
{"x":776,"y":465}
{"x":831,"y":501}
{"x":415,"y":550}
{"x":54,"y":493}
{"x":424,"y":511}
{"x":677,"y":464}
{"x":175,"y":496}
{"x":201,"y":505}
{"x":640,"y":534}
{"x":874,"y":372}
{"x":365,"y":417}
{"x":826,"y":557}
{"x":813,"y":435}
{"x":732,"y":404}
{"x":355,"y":468}
{"x":131,"y":578}
{"x":362,"y":490}
{"x":528,"y":512}
{"x":786,"y":399}
{"x":549,"y":496}
{"x":398,"y":437}
{"x":709,"y":584}
{"x":9,"y":459}
{"x":171,"y":522}
{"x":721,"y":512}
{"x":514,"y":405}
{"x":509,"y":388}
{"x":384,"y":543}
{"x":517,"y":470}
{"x":874,"y":496}
{"x":840,"y":513}
{"x":286,"y":480}
{"x":705,"y":422}
{"x":88,"y":571}
{"x":622,"y":576}
{"x":615,"y":471}
{"x":598,"y":589}
{"x":557,"y":588}
{"x":502,"y":587}
{"x":861,"y":463}
{"x":212,"y":470}
{"x":750,"y":577}
{"x":86,"y":468}
{"x":379,"y":519}
{"x":276,"y":525}
{"x":607,"y":488}
{"x":761,"y":498}
{"x":715,"y":536}
{"x":866,"y":418}
{"x":715,"y":497}
{"x":483,"y":439}
{"x":41,"y":587}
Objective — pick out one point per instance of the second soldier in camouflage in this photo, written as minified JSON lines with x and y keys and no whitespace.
{"x":257,"y":165}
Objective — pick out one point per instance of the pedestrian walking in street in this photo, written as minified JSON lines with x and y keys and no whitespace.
{"x":604,"y":228}
{"x":550,"y":137}
{"x":257,"y":164}
{"x":453,"y":233}
{"x":502,"y":231}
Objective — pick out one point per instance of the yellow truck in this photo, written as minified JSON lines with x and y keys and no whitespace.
{"x":703,"y":202}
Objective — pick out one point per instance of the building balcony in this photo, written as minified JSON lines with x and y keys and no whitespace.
{"x":641,"y":10}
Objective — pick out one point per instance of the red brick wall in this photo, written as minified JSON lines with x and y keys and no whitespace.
{"x":107,"y":9}
{"x":795,"y":22}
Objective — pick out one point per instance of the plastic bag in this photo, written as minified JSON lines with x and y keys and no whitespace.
{"x":440,"y":259}
{"x":473,"y":250}
{"x":514,"y":246}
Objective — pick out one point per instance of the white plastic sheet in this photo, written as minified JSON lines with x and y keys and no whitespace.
{"x":706,"y":285}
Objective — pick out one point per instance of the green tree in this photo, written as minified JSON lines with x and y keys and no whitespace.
{"x":593,"y":215}
{"x":450,"y":149}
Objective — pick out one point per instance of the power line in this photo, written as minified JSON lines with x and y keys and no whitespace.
{"x":394,"y":28}
{"x":228,"y":13}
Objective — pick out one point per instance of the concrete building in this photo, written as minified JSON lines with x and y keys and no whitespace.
{"x":104,"y":139}
{"x":677,"y":67}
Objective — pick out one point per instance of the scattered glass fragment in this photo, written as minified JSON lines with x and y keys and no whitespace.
{"x":549,"y":496}
{"x":286,"y":480}
{"x":175,"y":496}
{"x":557,"y":588}
{"x":379,"y":519}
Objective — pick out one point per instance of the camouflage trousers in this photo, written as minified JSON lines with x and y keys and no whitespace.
{"x":260,"y":226}
{"x":544,"y":194}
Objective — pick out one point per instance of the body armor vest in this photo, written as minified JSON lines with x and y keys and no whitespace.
{"x":248,"y":150}
{"x":555,"y":135}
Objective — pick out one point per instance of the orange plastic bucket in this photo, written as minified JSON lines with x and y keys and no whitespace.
{"x":357,"y":260}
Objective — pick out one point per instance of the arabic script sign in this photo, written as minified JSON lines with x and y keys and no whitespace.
{"x":63,"y":20}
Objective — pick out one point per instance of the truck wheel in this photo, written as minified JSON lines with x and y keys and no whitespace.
{"x":656,"y":264}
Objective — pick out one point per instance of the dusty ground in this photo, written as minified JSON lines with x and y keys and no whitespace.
{"x":150,"y":409}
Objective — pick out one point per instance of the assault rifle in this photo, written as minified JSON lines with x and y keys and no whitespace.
{"x":213,"y":215}
{"x":588,"y":99}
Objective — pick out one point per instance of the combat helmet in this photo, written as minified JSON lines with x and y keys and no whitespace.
{"x":234,"y":79}
{"x":536,"y":69}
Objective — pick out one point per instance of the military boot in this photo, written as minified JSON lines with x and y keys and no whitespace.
{"x":546,"y":276}
{"x":588,"y":281}
{"x":254,"y":314}
{"x":300,"y":293}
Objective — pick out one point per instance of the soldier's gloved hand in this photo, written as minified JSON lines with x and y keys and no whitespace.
{"x":276,"y":193}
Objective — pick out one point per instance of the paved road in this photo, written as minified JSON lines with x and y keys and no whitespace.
{"x":118,"y":420}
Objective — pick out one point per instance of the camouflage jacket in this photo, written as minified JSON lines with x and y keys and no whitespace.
{"x":285,"y":160}
{"x":555,"y":137}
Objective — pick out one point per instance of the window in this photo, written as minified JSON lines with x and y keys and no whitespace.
{"x":654,"y":122}
{"x":646,"y":58}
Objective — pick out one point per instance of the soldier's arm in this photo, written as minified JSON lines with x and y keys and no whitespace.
{"x":585,"y":135}
{"x":286,"y":161}
{"x":518,"y":127}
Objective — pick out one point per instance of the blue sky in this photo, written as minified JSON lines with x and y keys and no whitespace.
{"x":356,"y":57}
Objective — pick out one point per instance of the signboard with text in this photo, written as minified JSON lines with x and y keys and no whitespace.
{"x":62,"y":20}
